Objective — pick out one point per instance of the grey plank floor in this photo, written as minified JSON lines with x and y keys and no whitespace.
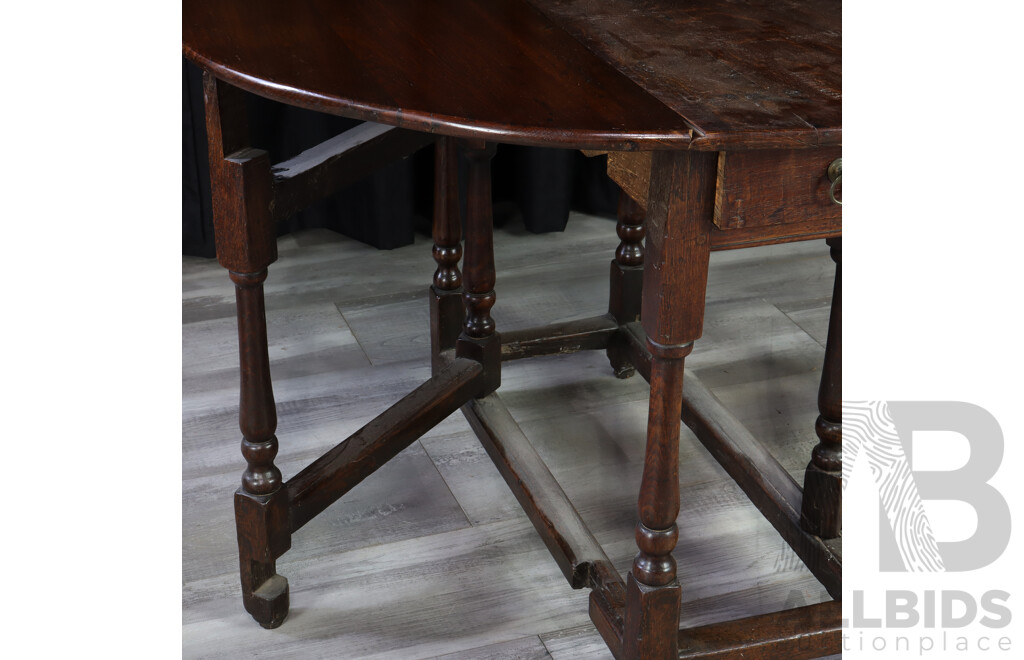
{"x":431,"y":557}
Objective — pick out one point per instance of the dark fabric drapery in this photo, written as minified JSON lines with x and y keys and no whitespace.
{"x":539,"y":186}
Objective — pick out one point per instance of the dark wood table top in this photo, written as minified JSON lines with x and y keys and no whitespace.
{"x":593,"y":74}
{"x":741,"y":72}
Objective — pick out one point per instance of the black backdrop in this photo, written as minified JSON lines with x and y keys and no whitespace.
{"x":385,"y":209}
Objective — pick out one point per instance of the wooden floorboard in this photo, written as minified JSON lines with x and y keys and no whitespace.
{"x":431,"y":557}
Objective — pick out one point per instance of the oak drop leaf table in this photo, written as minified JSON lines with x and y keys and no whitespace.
{"x":721,"y":120}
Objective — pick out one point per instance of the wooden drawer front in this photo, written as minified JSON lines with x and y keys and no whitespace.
{"x":768,"y":188}
{"x":787,"y":199}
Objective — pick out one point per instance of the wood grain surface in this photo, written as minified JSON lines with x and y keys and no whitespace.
{"x":744,"y":73}
{"x":574,"y":73}
{"x":761,"y":197}
{"x":497,"y":69}
{"x":779,"y":187}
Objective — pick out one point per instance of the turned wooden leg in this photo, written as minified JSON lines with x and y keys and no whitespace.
{"x":822,"y":509}
{"x":446,"y":307}
{"x":674,"y":280}
{"x":246,"y":244}
{"x":626,"y":280}
{"x":653,"y":594}
{"x":261,"y":506}
{"x":478,"y":340}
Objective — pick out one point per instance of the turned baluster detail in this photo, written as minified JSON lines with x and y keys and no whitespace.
{"x":479,"y":324}
{"x":257,"y":411}
{"x":630,"y":229}
{"x":479,"y":340}
{"x":627,"y":269}
{"x":447,"y":227}
{"x":446,"y":307}
{"x":261,"y":507}
{"x":658,"y":503}
{"x":822,"y":508}
{"x":479,"y":266}
{"x":447,"y":276}
{"x":626,"y":280}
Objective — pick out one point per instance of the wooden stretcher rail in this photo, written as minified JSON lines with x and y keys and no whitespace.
{"x":339,"y":470}
{"x":770,"y":488}
{"x":569,"y":337}
{"x":572,"y":545}
{"x":608,"y":605}
{"x":576,"y":551}
{"x":766,"y":483}
{"x":338,"y":162}
{"x":803,"y":632}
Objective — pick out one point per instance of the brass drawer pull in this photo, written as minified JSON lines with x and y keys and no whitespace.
{"x":835,"y":175}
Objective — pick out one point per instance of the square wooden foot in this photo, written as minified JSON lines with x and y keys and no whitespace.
{"x":263,"y":536}
{"x":651,"y":629}
{"x":821,"y":511}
